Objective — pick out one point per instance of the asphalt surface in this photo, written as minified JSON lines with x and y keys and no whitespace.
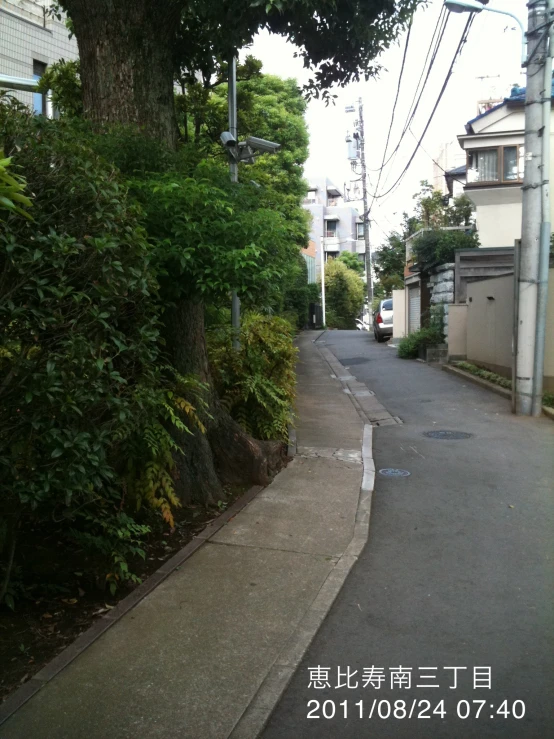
{"x":457,"y":573}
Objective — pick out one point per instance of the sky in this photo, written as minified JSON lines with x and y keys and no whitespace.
{"x":487,"y":68}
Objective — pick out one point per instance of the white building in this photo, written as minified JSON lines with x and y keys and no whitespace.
{"x":493,"y":143}
{"x":30,"y":40}
{"x":336,"y":225}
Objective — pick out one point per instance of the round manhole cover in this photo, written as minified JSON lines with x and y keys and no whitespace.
{"x":391,"y":472}
{"x":447,"y":435}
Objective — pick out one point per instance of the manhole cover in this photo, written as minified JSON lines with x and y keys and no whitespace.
{"x":447,"y":435}
{"x":391,"y":472}
{"x":353,"y":360}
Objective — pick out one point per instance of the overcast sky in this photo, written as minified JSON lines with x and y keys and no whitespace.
{"x":493,"y":50}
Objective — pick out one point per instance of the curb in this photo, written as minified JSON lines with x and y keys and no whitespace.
{"x":82,"y":642}
{"x":291,"y":449}
{"x":503,"y":391}
{"x":254,"y":719}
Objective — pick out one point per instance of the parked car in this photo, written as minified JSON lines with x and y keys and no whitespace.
{"x":382,"y":320}
{"x":361,"y":325}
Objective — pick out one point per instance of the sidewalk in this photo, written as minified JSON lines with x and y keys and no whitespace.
{"x":207,"y":653}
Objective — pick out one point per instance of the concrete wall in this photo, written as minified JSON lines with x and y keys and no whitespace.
{"x":489,"y":326}
{"x":498,"y":224}
{"x":457,"y":332}
{"x":490,"y":305}
{"x":399,"y":314}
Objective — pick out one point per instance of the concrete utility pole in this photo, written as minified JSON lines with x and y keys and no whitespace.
{"x":234,"y":174}
{"x":324,"y":317}
{"x":544,"y":257}
{"x":365,"y":217}
{"x":535,"y":225}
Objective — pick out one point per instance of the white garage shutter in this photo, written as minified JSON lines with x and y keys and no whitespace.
{"x":414,"y":317}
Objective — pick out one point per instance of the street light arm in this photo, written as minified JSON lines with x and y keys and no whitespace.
{"x":474,"y":6}
{"x":521,"y":27}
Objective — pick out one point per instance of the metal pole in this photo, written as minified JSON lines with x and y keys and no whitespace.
{"x":515,"y":323}
{"x":532,"y":211}
{"x":234,"y":174}
{"x":544,"y":258}
{"x":323,"y":281}
{"x":366,"y":209}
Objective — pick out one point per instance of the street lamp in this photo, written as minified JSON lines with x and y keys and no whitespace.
{"x":532,"y":281}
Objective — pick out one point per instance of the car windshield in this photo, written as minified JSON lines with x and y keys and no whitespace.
{"x":387,"y":305}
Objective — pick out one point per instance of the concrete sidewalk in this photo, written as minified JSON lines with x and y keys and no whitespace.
{"x":209,"y":651}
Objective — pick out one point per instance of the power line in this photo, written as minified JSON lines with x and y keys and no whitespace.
{"x":461,"y":43}
{"x":393,"y":110}
{"x":436,"y":41}
{"x":434,"y":161}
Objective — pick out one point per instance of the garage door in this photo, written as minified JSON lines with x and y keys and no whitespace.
{"x":414,"y":309}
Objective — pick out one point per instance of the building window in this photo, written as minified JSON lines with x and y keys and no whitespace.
{"x":330,"y":229}
{"x":39,"y":100}
{"x":496,"y":165}
{"x":359,"y":230}
{"x":332,"y":202}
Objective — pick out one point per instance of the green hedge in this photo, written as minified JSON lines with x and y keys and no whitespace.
{"x":409,"y":346}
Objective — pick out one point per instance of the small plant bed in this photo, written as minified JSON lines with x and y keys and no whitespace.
{"x":472,"y":369}
{"x":409,"y":346}
{"x":48,"y":618}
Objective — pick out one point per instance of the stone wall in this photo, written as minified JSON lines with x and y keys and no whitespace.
{"x":441,"y":285}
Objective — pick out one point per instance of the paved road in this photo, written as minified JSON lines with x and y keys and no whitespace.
{"x":458,"y":571}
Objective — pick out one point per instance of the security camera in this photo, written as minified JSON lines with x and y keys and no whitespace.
{"x":269,"y":147}
{"x":227,"y":139}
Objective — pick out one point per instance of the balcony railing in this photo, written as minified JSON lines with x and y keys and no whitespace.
{"x":330,"y":234}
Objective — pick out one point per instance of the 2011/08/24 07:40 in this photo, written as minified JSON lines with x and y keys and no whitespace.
{"x":418,"y":709}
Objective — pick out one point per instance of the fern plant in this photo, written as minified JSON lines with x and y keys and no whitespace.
{"x":149,"y":477}
{"x":257,"y":383}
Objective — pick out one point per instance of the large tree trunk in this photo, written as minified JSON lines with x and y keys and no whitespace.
{"x":126,"y":53}
{"x":225,"y":453}
{"x":126,"y":50}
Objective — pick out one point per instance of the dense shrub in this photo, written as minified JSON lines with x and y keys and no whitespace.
{"x":409,"y":346}
{"x":12,"y":189}
{"x":84,"y":400}
{"x":439,"y":246}
{"x":256,"y":383}
{"x":344,"y":295}
{"x":296,"y":292}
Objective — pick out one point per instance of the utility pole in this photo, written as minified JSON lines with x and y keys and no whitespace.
{"x":324,"y":317}
{"x":535,"y":226}
{"x":234,"y":174}
{"x":365,"y":217}
{"x":544,"y":257}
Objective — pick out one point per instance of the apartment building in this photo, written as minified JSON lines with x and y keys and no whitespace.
{"x":335,"y":225}
{"x":30,"y":40}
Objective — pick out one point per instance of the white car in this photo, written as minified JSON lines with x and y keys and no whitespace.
{"x":361,"y":325}
{"x":382,"y":320}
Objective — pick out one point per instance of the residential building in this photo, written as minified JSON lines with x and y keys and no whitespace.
{"x":336,"y":225}
{"x":448,"y":158}
{"x":30,"y":40}
{"x":309,"y":254}
{"x":493,"y":143}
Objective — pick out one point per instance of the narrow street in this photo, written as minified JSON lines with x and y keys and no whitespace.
{"x":457,"y":572}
